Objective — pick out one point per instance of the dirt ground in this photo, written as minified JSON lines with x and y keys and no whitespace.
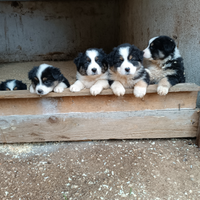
{"x":110,"y":170}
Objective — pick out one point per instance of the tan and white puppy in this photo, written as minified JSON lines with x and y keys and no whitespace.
{"x":164,"y":63}
{"x":92,"y":71}
{"x":126,"y":70}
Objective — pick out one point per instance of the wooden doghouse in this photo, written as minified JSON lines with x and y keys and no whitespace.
{"x":48,"y":31}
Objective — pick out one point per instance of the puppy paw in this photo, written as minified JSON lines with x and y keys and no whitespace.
{"x":139,"y":91}
{"x":32,"y":90}
{"x":58,"y":89}
{"x":94,"y":90}
{"x":161,"y":90}
{"x":74,"y":88}
{"x":119,"y":91}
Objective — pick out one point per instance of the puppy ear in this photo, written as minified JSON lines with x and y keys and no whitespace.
{"x":56,"y":73}
{"x":169,"y":46}
{"x":32,"y":73}
{"x":77,"y":60}
{"x":140,"y":56}
{"x":110,"y":57}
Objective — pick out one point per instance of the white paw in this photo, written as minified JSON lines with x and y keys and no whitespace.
{"x":58,"y":89}
{"x":74,"y":88}
{"x":162,"y":90}
{"x":94,"y":90}
{"x":31,"y":89}
{"x":139,"y":91}
{"x":119,"y":91}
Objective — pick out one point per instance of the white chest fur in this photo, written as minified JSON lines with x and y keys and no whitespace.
{"x":126,"y":80}
{"x":158,"y":72}
{"x":89,"y":81}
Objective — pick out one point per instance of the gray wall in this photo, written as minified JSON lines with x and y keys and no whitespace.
{"x":141,"y":20}
{"x":56,"y":30}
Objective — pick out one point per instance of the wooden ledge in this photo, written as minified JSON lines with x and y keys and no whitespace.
{"x":22,"y":94}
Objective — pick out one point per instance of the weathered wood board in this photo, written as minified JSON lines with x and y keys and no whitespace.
{"x":98,"y":126}
{"x":26,"y":117}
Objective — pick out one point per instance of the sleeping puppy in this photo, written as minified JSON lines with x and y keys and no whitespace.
{"x":47,"y":78}
{"x":126,"y":70}
{"x":92,"y":71}
{"x":164,"y":63}
{"x":10,"y":85}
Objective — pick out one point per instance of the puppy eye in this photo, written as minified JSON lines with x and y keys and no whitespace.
{"x":7,"y":89}
{"x":46,"y":81}
{"x":88,"y":59}
{"x":96,"y":59}
{"x":121,"y":58}
{"x":15,"y":88}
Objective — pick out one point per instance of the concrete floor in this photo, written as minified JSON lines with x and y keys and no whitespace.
{"x":114,"y":170}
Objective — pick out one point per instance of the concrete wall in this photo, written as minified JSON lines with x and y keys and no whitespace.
{"x":141,"y":20}
{"x":56,"y":30}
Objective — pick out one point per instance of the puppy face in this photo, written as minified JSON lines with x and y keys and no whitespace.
{"x":11,"y":85}
{"x":44,"y":78}
{"x":125,"y":59}
{"x":92,"y":62}
{"x":159,"y":48}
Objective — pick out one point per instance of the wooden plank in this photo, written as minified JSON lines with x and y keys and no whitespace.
{"x":103,"y":103}
{"x":198,"y":132}
{"x":184,"y":87}
{"x":98,"y":126}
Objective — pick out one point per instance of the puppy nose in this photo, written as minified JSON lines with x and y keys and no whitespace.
{"x":94,"y":70}
{"x":40,"y":91}
{"x":127,"y":69}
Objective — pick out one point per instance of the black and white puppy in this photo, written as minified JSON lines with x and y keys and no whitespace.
{"x":10,"y":85}
{"x":92,"y":71}
{"x":163,"y":63}
{"x":47,"y":78}
{"x":126,"y":70}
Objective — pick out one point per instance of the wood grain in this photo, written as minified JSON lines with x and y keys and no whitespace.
{"x":198,"y":132}
{"x":102,"y":103}
{"x":98,"y":126}
{"x":183,"y":87}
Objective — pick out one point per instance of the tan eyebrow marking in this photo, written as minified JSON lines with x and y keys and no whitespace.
{"x":96,"y":58}
{"x":7,"y":89}
{"x":88,"y":59}
{"x":130,"y":57}
{"x":152,"y":44}
{"x":121,"y":58}
{"x":36,"y":78}
{"x":15,"y":88}
{"x":44,"y":79}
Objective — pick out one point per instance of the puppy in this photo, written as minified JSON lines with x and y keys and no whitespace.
{"x":126,"y":70}
{"x":47,"y":78}
{"x":164,"y":63}
{"x":92,"y":71}
{"x":11,"y":85}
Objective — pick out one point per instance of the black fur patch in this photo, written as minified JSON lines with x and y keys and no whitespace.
{"x":19,"y":85}
{"x":178,"y":67}
{"x":162,"y":47}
